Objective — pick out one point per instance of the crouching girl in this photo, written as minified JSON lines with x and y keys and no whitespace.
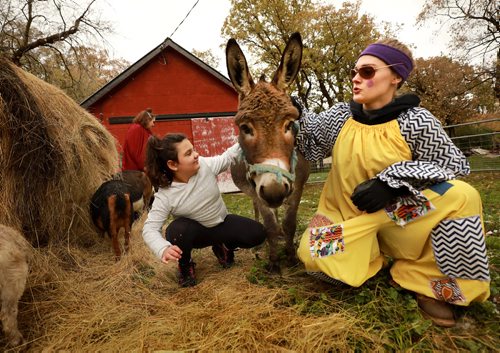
{"x":187,"y":190}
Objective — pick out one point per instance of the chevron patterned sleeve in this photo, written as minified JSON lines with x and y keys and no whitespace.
{"x":435,"y":156}
{"x":318,"y":132}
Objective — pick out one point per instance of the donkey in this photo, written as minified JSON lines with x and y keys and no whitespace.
{"x":272,"y":173}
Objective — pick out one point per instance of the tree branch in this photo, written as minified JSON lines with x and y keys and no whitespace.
{"x":46,"y":41}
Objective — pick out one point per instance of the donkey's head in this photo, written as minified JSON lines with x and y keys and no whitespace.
{"x":265,"y":119}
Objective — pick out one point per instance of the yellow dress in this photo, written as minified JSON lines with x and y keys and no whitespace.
{"x":349,"y":245}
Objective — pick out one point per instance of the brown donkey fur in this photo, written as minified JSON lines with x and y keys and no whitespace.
{"x":272,"y":173}
{"x":111,"y":210}
{"x":14,"y":253}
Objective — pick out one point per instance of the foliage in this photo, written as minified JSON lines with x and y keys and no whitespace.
{"x":383,"y":308}
{"x":475,"y":28}
{"x":86,"y":70}
{"x":47,"y":39}
{"x":207,"y":56}
{"x":332,"y":40}
{"x":447,"y":88}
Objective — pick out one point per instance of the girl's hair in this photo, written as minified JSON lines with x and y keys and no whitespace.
{"x":391,"y":42}
{"x":144,"y":117}
{"x":158,"y":152}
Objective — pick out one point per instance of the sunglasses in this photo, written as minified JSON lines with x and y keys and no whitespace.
{"x":368,"y":72}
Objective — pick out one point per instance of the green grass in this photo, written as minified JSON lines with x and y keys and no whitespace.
{"x":484,"y":163}
{"x":383,"y":309}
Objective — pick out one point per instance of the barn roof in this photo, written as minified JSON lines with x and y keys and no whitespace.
{"x":96,"y":96}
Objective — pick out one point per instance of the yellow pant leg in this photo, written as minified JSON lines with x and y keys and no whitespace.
{"x":415,"y":267}
{"x":360,"y":259}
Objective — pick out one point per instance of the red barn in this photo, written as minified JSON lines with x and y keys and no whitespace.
{"x":185,"y":94}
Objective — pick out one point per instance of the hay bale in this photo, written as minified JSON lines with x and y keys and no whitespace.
{"x":53,"y":156}
{"x":84,"y":301}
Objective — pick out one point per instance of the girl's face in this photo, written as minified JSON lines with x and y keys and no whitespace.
{"x":187,"y":164}
{"x":378,"y":91}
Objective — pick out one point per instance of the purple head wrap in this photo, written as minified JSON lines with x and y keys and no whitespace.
{"x":391,"y":56}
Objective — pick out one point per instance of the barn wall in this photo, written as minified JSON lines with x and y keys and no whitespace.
{"x":212,"y":137}
{"x":169,"y":84}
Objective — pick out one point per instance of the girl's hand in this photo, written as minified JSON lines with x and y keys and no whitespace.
{"x":173,"y":252}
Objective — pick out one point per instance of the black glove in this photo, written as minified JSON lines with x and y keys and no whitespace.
{"x":296,"y":104}
{"x":373,"y":195}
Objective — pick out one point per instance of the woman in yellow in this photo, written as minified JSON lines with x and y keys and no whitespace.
{"x":392,"y":192}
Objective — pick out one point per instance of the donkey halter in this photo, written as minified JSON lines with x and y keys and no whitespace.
{"x":261,"y":168}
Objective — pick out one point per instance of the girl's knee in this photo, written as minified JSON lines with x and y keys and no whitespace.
{"x":262,"y":234}
{"x":176,"y":228}
{"x":258,"y":235}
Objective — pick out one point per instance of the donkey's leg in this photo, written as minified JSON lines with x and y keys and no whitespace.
{"x":256,"y":210}
{"x":273,"y":231}
{"x":289,"y":223}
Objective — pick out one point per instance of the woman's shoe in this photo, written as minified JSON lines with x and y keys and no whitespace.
{"x":439,"y":312}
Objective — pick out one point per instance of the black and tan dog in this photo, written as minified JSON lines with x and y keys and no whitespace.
{"x":140,"y":188}
{"x":111,"y":209}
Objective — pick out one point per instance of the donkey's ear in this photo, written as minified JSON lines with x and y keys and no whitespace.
{"x":290,"y":62}
{"x":237,"y":68}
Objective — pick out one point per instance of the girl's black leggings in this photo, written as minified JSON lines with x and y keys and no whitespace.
{"x":235,"y":232}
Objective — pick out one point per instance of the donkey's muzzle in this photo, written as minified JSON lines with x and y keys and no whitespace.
{"x":274,"y":193}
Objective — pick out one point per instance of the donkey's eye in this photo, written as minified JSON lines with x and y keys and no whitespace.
{"x":289,"y":126}
{"x":246,"y":129}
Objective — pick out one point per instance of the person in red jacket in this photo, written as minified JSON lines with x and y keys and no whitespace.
{"x":134,"y":150}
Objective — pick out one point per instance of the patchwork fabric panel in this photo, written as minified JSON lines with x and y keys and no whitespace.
{"x":441,"y":188}
{"x":326,"y":241}
{"x":319,"y":220}
{"x":446,"y":289}
{"x":408,"y":209}
{"x":460,"y":249}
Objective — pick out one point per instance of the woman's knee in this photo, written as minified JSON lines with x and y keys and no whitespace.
{"x":464,"y":191}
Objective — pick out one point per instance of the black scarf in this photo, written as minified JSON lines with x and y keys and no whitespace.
{"x":389,"y":112}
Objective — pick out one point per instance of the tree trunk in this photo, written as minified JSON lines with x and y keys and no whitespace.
{"x":497,"y":78}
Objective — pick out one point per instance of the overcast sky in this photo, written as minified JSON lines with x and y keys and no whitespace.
{"x":141,"y":25}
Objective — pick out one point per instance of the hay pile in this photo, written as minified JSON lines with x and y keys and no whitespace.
{"x":53,"y":156}
{"x":81,"y":300}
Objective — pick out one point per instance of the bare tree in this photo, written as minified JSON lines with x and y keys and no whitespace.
{"x":475,"y":27}
{"x":41,"y":35}
{"x":449,"y":89}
